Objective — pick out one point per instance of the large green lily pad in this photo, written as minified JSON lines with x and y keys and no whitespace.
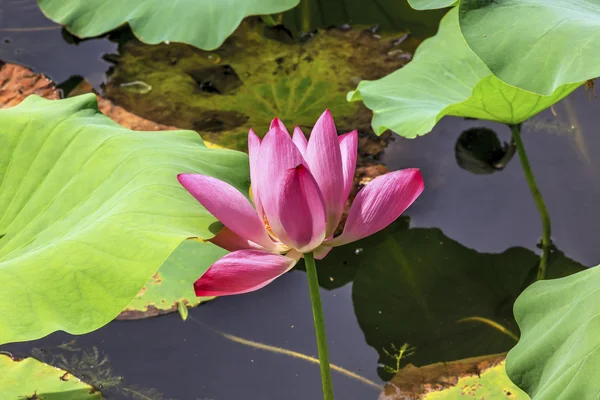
{"x":172,"y":284}
{"x":89,"y":211}
{"x":439,"y":296}
{"x":32,"y":379}
{"x":202,"y":23}
{"x":473,"y":378}
{"x":250,"y":80}
{"x":558,"y":356}
{"x":532,"y":44}
{"x":446,"y":78}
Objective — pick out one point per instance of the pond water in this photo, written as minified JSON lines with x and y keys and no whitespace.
{"x":470,"y":249}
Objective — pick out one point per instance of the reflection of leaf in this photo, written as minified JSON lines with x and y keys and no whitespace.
{"x":201,"y":23}
{"x":389,"y":15}
{"x":558,"y":355}
{"x":250,"y":80}
{"x":90,"y":211}
{"x":446,"y":78}
{"x":30,"y":378}
{"x":173,"y":283}
{"x":426,"y":282}
{"x":473,"y":378}
{"x":94,"y":366}
{"x":478,"y":150}
{"x":535,"y":45}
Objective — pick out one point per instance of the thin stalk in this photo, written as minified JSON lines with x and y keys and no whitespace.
{"x":305,"y":15}
{"x":537,"y":197}
{"x":317,"y":309}
{"x":268,"y":20}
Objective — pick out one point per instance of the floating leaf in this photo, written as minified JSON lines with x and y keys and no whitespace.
{"x":535,"y":45}
{"x":32,"y":379}
{"x":172,"y":287}
{"x":250,"y":80}
{"x":558,"y":356}
{"x":446,"y":78}
{"x":90,"y":210}
{"x":473,"y":378}
{"x":430,"y":4}
{"x":445,"y":300}
{"x":202,"y":23}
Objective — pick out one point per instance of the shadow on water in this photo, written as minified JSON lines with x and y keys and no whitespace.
{"x":445,"y":284}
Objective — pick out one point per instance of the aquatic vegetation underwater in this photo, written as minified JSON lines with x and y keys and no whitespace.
{"x":109,"y":211}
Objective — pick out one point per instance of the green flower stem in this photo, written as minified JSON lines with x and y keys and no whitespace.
{"x":305,"y":15}
{"x":317,"y":309}
{"x":537,"y":197}
{"x":268,"y":20}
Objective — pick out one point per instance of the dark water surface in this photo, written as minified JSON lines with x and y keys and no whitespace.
{"x":403,"y":285}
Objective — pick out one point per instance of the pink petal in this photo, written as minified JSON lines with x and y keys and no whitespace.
{"x":276,"y":123}
{"x":230,"y":241}
{"x":379,"y":204}
{"x":321,"y":251}
{"x":349,"y":150}
{"x":300,"y":140}
{"x":294,"y":254}
{"x":301,"y":210}
{"x":253,"y":150}
{"x":228,"y":205}
{"x":277,"y":154}
{"x":242,"y":271}
{"x":325,"y":163}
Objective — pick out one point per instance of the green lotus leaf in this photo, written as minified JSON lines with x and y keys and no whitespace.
{"x":172,"y":285}
{"x":558,"y":356}
{"x":90,"y":210}
{"x":202,"y":23}
{"x":430,"y":4}
{"x":535,"y":45}
{"x":32,"y":379}
{"x":446,"y":78}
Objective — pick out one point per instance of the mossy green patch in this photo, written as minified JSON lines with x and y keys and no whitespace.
{"x":258,"y":74}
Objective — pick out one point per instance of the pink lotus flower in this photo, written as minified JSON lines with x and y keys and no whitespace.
{"x":299,"y":189}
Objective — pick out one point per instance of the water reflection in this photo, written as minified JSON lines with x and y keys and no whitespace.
{"x":478,"y":150}
{"x":445,"y":300}
{"x":28,"y":38}
{"x":405,"y":285}
{"x":491,"y":213}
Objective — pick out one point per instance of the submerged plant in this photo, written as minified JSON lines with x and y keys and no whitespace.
{"x":299,"y":190}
